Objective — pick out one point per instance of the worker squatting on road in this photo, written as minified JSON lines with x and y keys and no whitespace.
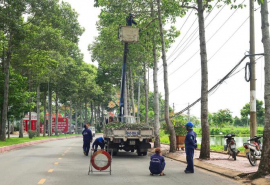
{"x":190,"y":145}
{"x":98,"y":142}
{"x":87,"y":139}
{"x":157,"y":163}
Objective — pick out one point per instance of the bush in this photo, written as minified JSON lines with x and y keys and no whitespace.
{"x":32,"y":133}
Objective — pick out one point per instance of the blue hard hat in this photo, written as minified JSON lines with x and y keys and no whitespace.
{"x":189,"y":125}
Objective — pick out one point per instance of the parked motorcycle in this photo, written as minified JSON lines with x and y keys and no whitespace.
{"x":231,"y":145}
{"x":253,"y":150}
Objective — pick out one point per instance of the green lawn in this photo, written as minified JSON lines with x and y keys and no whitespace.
{"x":164,"y":139}
{"x":17,"y":140}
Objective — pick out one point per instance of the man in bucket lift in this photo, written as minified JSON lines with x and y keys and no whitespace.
{"x":130,"y":20}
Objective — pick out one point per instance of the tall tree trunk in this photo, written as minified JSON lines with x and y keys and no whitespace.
{"x":81,"y":114}
{"x":38,"y":110}
{"x":30,"y":120}
{"x":132,"y":90}
{"x":146,"y":94}
{"x":95,"y":114}
{"x":70,"y":115}
{"x":156,"y":95}
{"x":205,"y":145}
{"x":21,"y":128}
{"x":85,"y":112}
{"x":139,"y":101}
{"x":264,"y":166}
{"x":45,"y":116}
{"x":65,"y":110}
{"x":166,"y":84}
{"x":50,"y":113}
{"x":30,"y":100}
{"x":126,"y":97}
{"x":6,"y":64}
{"x":128,"y":102}
{"x":56,"y":113}
{"x":76,"y":125}
{"x":92,"y":113}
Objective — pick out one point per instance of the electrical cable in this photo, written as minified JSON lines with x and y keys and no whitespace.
{"x":219,"y":83}
{"x":212,"y":55}
{"x":206,"y":42}
{"x":192,"y":34}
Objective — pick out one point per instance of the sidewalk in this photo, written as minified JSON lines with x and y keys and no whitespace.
{"x":218,"y":163}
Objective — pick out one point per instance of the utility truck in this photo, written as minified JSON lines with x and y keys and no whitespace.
{"x":128,"y":136}
{"x":124,"y":133}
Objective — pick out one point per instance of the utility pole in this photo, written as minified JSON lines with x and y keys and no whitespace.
{"x":253,"y":122}
{"x":139,"y":95}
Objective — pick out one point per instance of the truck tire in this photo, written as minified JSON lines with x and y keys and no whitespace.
{"x":144,"y":153}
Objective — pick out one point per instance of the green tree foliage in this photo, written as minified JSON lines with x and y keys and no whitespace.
{"x":245,"y":111}
{"x":222,"y":118}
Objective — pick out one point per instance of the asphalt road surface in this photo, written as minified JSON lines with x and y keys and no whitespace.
{"x":63,"y":163}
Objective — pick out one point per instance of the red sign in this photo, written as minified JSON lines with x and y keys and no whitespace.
{"x":62,"y":125}
{"x":101,"y":160}
{"x":26,"y":125}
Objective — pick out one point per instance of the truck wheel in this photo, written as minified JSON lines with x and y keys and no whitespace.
{"x":139,"y":153}
{"x":144,"y":153}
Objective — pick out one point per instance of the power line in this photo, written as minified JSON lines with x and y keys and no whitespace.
{"x":229,"y":75}
{"x":212,"y":55}
{"x":193,"y":33}
{"x":184,"y":36}
{"x":206,"y":42}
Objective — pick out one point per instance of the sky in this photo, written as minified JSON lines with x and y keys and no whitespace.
{"x":227,"y":35}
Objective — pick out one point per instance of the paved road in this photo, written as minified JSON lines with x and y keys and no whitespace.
{"x":67,"y":165}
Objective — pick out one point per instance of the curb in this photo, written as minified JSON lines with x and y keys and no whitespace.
{"x":209,"y":167}
{"x":20,"y":145}
{"x":236,"y":175}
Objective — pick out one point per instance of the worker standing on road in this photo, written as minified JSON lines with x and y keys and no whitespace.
{"x":190,"y":145}
{"x":87,"y":139}
{"x":157,"y":163}
{"x":98,"y":142}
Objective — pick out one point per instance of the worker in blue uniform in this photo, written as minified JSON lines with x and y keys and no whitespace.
{"x":190,"y":145}
{"x":129,"y":20}
{"x":98,"y":142}
{"x":157,"y":163}
{"x":87,"y":139}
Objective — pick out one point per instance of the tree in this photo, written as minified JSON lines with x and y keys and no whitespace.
{"x":166,"y":85}
{"x":222,"y":117}
{"x":245,"y":111}
{"x":264,"y":166}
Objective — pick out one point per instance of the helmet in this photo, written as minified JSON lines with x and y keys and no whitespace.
{"x":189,"y":125}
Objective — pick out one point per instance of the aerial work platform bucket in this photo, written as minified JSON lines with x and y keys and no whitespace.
{"x":129,"y":34}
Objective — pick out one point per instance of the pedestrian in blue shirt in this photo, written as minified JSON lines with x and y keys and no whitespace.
{"x":87,"y":139}
{"x":157,"y":163}
{"x":98,"y":142}
{"x":190,"y":145}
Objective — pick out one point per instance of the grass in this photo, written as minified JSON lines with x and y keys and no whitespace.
{"x":17,"y":140}
{"x":164,"y":139}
